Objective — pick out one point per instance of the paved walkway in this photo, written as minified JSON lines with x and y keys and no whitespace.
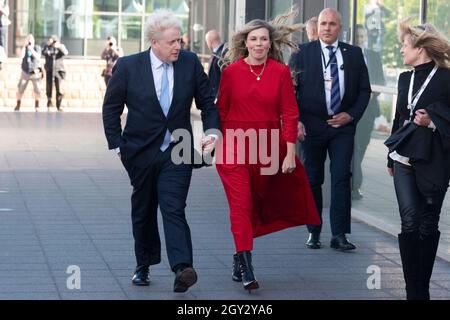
{"x":64,"y":201}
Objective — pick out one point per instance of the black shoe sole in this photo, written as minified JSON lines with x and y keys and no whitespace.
{"x":141,"y":284}
{"x":187,"y":278}
{"x":309,"y":246}
{"x":342,"y":249}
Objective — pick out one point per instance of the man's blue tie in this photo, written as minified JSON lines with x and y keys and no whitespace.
{"x":335,"y":101}
{"x":164,"y":101}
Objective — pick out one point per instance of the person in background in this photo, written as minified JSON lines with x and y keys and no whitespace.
{"x":31,"y":71}
{"x":4,"y":22}
{"x":311,"y":29}
{"x":54,"y":52}
{"x":216,"y":47}
{"x":185,"y":42}
{"x":111,"y":54}
{"x":330,"y":109}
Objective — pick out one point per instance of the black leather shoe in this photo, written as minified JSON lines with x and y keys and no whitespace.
{"x":314,"y":241}
{"x":184,"y":278}
{"x":341,"y":243}
{"x":141,"y":276}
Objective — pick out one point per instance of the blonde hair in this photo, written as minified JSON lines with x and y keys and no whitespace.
{"x":279,"y":34}
{"x":426,"y":36}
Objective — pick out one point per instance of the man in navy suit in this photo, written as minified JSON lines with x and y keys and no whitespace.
{"x":333,"y":90}
{"x":158,"y":87}
{"x":215,"y":44}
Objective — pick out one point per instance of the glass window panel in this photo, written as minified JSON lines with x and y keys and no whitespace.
{"x":278,"y":7}
{"x":106,"y":5}
{"x":131,"y":34}
{"x":376,"y":34}
{"x":437,"y":15}
{"x":132,"y":6}
{"x":101,"y":28}
{"x":380,"y":19}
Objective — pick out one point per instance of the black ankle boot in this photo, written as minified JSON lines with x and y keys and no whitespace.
{"x":408,"y":245}
{"x":236,"y":275}
{"x":245,"y":264}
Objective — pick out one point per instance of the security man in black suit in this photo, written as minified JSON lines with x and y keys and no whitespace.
{"x":333,"y":90}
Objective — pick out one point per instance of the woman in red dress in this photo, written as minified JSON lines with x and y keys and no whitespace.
{"x":265,"y":183}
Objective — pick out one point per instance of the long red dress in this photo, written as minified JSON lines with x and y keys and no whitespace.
{"x":260,"y":203}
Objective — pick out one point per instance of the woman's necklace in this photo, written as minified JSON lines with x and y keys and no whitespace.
{"x":258,"y":76}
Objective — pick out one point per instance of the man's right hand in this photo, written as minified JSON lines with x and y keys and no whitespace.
{"x":390,"y":171}
{"x":301,"y":132}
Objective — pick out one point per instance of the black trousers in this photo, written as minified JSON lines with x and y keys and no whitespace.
{"x":339,"y":146}
{"x":166,"y":185}
{"x":418,"y":213}
{"x":49,"y":85}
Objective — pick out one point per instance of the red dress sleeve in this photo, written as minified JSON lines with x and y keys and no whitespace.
{"x":223,"y":99}
{"x":288,"y":107}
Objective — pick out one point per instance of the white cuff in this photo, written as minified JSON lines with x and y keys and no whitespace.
{"x":117,"y":150}
{"x":432,"y":126}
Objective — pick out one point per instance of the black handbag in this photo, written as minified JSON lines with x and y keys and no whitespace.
{"x":400,"y":136}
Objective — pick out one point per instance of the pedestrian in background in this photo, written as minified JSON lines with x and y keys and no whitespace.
{"x":54,"y":52}
{"x":31,"y":71}
{"x":111,"y":54}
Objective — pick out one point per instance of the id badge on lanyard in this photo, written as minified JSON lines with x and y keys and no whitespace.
{"x":412,"y":102}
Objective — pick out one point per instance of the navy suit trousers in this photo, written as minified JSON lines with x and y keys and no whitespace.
{"x":339,"y":145}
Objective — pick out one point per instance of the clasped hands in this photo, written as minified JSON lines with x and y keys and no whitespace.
{"x":208,"y":143}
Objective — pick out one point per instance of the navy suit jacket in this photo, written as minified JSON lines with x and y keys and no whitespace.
{"x":310,"y":90}
{"x":132,"y":84}
{"x":214,"y":72}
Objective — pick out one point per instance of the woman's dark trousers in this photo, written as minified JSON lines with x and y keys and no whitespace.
{"x":419,"y":239}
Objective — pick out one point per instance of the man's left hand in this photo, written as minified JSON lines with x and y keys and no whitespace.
{"x":340,"y":120}
{"x":208,"y":143}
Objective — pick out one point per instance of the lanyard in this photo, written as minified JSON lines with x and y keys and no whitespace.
{"x":412,"y":103}
{"x":329,"y":60}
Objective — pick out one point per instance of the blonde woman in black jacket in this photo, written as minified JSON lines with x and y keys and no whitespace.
{"x":421,"y":132}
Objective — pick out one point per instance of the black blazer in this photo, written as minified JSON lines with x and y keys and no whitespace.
{"x":214,"y":72}
{"x":307,"y":66}
{"x":132,"y":84}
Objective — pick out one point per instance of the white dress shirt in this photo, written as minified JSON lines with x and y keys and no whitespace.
{"x":340,"y":62}
{"x":157,"y":70}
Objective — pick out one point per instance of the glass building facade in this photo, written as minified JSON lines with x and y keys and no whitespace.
{"x":84,"y":25}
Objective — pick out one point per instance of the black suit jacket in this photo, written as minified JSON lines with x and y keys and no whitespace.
{"x":214,"y":72}
{"x":132,"y":84}
{"x":307,"y":65}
